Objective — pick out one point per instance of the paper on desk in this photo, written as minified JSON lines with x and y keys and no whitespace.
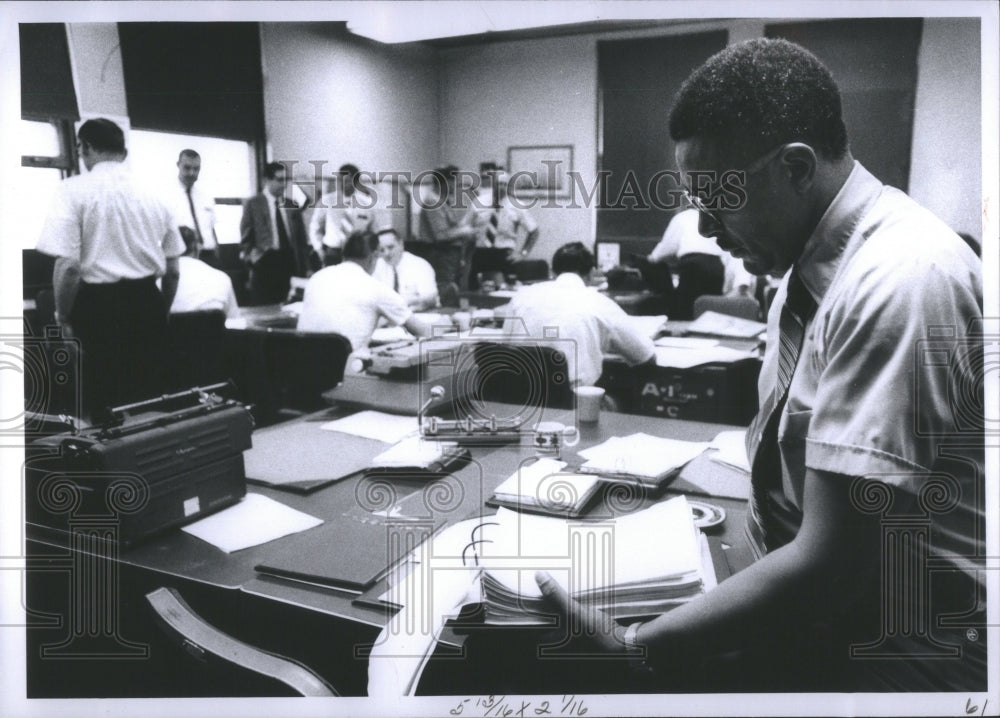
{"x":649,"y":326}
{"x":686,"y":342}
{"x":388,"y":335}
{"x":236,"y":322}
{"x":413,"y":452}
{"x":731,"y":449}
{"x":503,"y":293}
{"x":685,"y":358}
{"x":640,"y":455}
{"x":375,"y":425}
{"x":255,"y":520}
{"x":723,"y":325}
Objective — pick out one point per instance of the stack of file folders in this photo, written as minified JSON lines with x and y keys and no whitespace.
{"x":542,"y":487}
{"x":639,"y":565}
{"x":640,"y":458}
{"x":417,"y":454}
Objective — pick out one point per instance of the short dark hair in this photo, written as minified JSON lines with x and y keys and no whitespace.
{"x":573,"y":257}
{"x":102,"y":134}
{"x":350,"y":170}
{"x":190,"y":154}
{"x":753,"y":96}
{"x":271,"y":169}
{"x":360,"y":245}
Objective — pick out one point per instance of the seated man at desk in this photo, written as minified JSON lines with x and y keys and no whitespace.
{"x":856,"y":431}
{"x":348,"y":300}
{"x":201,"y":287}
{"x":579,"y":313}
{"x":409,"y":275}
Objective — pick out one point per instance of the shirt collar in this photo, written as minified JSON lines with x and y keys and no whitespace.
{"x":820,"y":257}
{"x":267,"y":193}
{"x":570,"y":278}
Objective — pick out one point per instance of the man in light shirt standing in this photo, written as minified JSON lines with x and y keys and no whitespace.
{"x":112,"y":239}
{"x":194,"y":210}
{"x":347,"y":208}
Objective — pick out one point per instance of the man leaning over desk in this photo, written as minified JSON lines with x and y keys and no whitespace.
{"x":592,"y":321}
{"x":347,"y":299}
{"x":851,"y":421}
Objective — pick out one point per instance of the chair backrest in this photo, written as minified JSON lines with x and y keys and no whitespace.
{"x":743,"y":307}
{"x":196,"y":355}
{"x":522,"y":374}
{"x":208,"y":644}
{"x":530,"y":270}
{"x":300,"y":366}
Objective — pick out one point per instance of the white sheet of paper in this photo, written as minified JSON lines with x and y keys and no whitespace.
{"x":640,"y":455}
{"x":413,"y":452}
{"x":255,"y":520}
{"x":388,"y":335}
{"x":723,"y":325}
{"x":375,"y":425}
{"x":731,"y":449}
{"x":686,"y":342}
{"x":676,"y":358}
{"x":648,"y":325}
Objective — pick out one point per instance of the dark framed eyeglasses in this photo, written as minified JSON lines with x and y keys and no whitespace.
{"x":754,"y":167}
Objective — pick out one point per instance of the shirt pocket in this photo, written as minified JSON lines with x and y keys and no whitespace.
{"x":792,"y":433}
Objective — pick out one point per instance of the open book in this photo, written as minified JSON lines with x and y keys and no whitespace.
{"x":635,"y":566}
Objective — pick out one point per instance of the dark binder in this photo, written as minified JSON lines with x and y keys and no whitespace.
{"x":347,"y":554}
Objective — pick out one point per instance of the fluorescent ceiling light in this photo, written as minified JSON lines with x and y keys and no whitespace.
{"x":393,"y":22}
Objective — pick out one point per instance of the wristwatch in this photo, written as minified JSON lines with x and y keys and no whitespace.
{"x":635,"y":653}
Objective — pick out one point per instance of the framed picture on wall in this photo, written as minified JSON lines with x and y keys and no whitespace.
{"x":540,"y":170}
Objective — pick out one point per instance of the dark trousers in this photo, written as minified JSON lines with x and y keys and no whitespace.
{"x":122,"y":330}
{"x":270,"y":277}
{"x":451,"y":262}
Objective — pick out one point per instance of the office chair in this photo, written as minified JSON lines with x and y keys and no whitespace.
{"x":209,"y":645}
{"x":196,"y":349}
{"x":743,"y":307}
{"x":526,"y":375}
{"x":300,"y":366}
{"x":530,"y":270}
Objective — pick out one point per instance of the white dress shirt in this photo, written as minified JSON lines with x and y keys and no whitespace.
{"x":347,"y":300}
{"x":113,"y":226}
{"x":413,"y":278}
{"x":201,"y":287}
{"x":204,"y":210}
{"x":587,"y":323}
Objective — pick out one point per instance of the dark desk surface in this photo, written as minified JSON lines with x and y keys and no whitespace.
{"x":176,"y":558}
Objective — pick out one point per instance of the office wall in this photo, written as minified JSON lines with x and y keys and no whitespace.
{"x":946,"y":165}
{"x":330,"y":96}
{"x":528,"y":92}
{"x":544,"y":91}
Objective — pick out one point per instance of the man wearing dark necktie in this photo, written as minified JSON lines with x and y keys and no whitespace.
{"x":195,"y":210}
{"x":867,"y":488}
{"x":273,"y":239}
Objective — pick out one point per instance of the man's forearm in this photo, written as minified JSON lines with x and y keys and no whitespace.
{"x":65,"y":284}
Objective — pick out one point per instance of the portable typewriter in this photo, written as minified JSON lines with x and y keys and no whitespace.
{"x":147,"y":467}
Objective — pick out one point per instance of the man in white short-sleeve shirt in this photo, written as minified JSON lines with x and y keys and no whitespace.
{"x":346,"y":299}
{"x":112,"y":238}
{"x":201,"y":287}
{"x":576,"y":312}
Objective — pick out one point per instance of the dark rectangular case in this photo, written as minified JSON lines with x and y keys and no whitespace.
{"x":152,"y":472}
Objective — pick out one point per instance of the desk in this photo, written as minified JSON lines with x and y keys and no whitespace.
{"x":317,"y":626}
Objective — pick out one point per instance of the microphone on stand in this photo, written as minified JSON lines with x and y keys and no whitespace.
{"x":437,"y":392}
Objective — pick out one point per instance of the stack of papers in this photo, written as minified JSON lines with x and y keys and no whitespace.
{"x":650,"y":460}
{"x":731,"y":449}
{"x":645,"y":563}
{"x":724,"y":325}
{"x":540,"y":487}
{"x":416,"y":453}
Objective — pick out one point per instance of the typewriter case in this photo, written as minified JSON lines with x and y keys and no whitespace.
{"x":140,"y":475}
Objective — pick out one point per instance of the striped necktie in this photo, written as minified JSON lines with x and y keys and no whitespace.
{"x":765,"y":527}
{"x":491,"y":227}
{"x":194,"y":216}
